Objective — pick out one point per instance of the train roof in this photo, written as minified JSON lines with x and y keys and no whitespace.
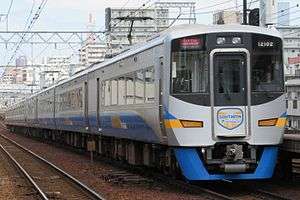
{"x":167,"y":35}
{"x":194,"y":29}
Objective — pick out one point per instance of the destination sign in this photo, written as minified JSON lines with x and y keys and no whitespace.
{"x":191,"y":43}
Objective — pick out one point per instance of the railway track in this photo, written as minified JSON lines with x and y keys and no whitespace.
{"x":241,"y":191}
{"x":49,"y":181}
{"x":14,"y":183}
{"x":209,"y":190}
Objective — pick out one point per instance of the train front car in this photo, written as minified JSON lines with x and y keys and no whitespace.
{"x":225,"y":114}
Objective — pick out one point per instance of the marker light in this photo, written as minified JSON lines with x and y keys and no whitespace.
{"x":221,"y":40}
{"x":236,"y":40}
{"x":191,"y":124}
{"x":268,"y":122}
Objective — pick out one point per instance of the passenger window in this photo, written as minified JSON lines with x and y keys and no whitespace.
{"x":102,"y":93}
{"x":114,"y":92}
{"x":130,"y":89}
{"x":139,"y":87}
{"x":107,"y":93}
{"x":150,"y":89}
{"x":122,"y":90}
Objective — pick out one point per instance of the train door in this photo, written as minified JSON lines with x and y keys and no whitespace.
{"x":86,"y":105}
{"x":229,"y":94}
{"x":161,"y":108}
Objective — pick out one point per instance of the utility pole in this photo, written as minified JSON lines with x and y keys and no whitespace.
{"x":245,"y":12}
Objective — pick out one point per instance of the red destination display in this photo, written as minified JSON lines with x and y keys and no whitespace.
{"x":190,"y":43}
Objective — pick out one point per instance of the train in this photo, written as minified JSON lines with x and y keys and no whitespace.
{"x":205,"y":100}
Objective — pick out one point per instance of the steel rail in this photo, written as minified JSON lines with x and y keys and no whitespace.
{"x":24,"y":172}
{"x":82,"y":186}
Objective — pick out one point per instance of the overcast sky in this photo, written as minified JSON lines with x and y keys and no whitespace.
{"x":73,"y":14}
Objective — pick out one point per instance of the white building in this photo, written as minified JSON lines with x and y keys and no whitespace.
{"x":146,"y":23}
{"x":92,"y":52}
{"x":291,"y":51}
{"x":227,"y":17}
{"x":293,"y":103}
{"x":291,"y":46}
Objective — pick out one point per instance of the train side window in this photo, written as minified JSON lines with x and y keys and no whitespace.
{"x":122,"y":91}
{"x":149,"y":85}
{"x":130,"y":89}
{"x":107,"y":93}
{"x":102,"y":93}
{"x":114,"y":92}
{"x":139,"y":87}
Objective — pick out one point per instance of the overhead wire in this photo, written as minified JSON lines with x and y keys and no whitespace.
{"x":28,"y":28}
{"x":284,"y":13}
{"x":9,"y":8}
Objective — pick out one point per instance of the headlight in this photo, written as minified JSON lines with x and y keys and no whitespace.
{"x":268,"y":122}
{"x":191,"y":124}
{"x":236,"y":40}
{"x":221,"y":40}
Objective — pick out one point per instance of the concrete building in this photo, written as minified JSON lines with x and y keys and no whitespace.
{"x":9,"y":76}
{"x":293,"y":103}
{"x":145,"y":22}
{"x":283,"y":16}
{"x":59,"y":61}
{"x":227,"y":17}
{"x":25,"y":75}
{"x":291,"y":51}
{"x":154,"y":21}
{"x":291,"y":46}
{"x":92,"y":52}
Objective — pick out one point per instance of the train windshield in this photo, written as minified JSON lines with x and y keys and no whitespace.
{"x":267,"y":66}
{"x":189,"y":66}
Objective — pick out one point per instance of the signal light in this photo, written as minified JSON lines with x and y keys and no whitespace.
{"x":191,"y":124}
{"x":268,"y":122}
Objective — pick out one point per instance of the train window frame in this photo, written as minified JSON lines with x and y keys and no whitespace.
{"x":102,"y":95}
{"x":129,"y":98}
{"x":203,"y":85}
{"x":133,"y":88}
{"x":114,"y":94}
{"x":121,"y":91}
{"x":107,"y":91}
{"x":269,"y":48}
{"x":152,"y":82}
{"x":141,"y":96}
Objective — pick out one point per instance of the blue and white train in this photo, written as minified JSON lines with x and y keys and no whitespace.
{"x":208,"y":100}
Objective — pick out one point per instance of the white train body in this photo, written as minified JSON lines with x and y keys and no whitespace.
{"x":212,"y":93}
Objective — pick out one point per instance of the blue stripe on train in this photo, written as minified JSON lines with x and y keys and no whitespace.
{"x":193,"y":168}
{"x":133,"y":126}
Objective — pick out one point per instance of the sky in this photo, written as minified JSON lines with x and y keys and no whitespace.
{"x":63,"y":15}
{"x":73,"y":14}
